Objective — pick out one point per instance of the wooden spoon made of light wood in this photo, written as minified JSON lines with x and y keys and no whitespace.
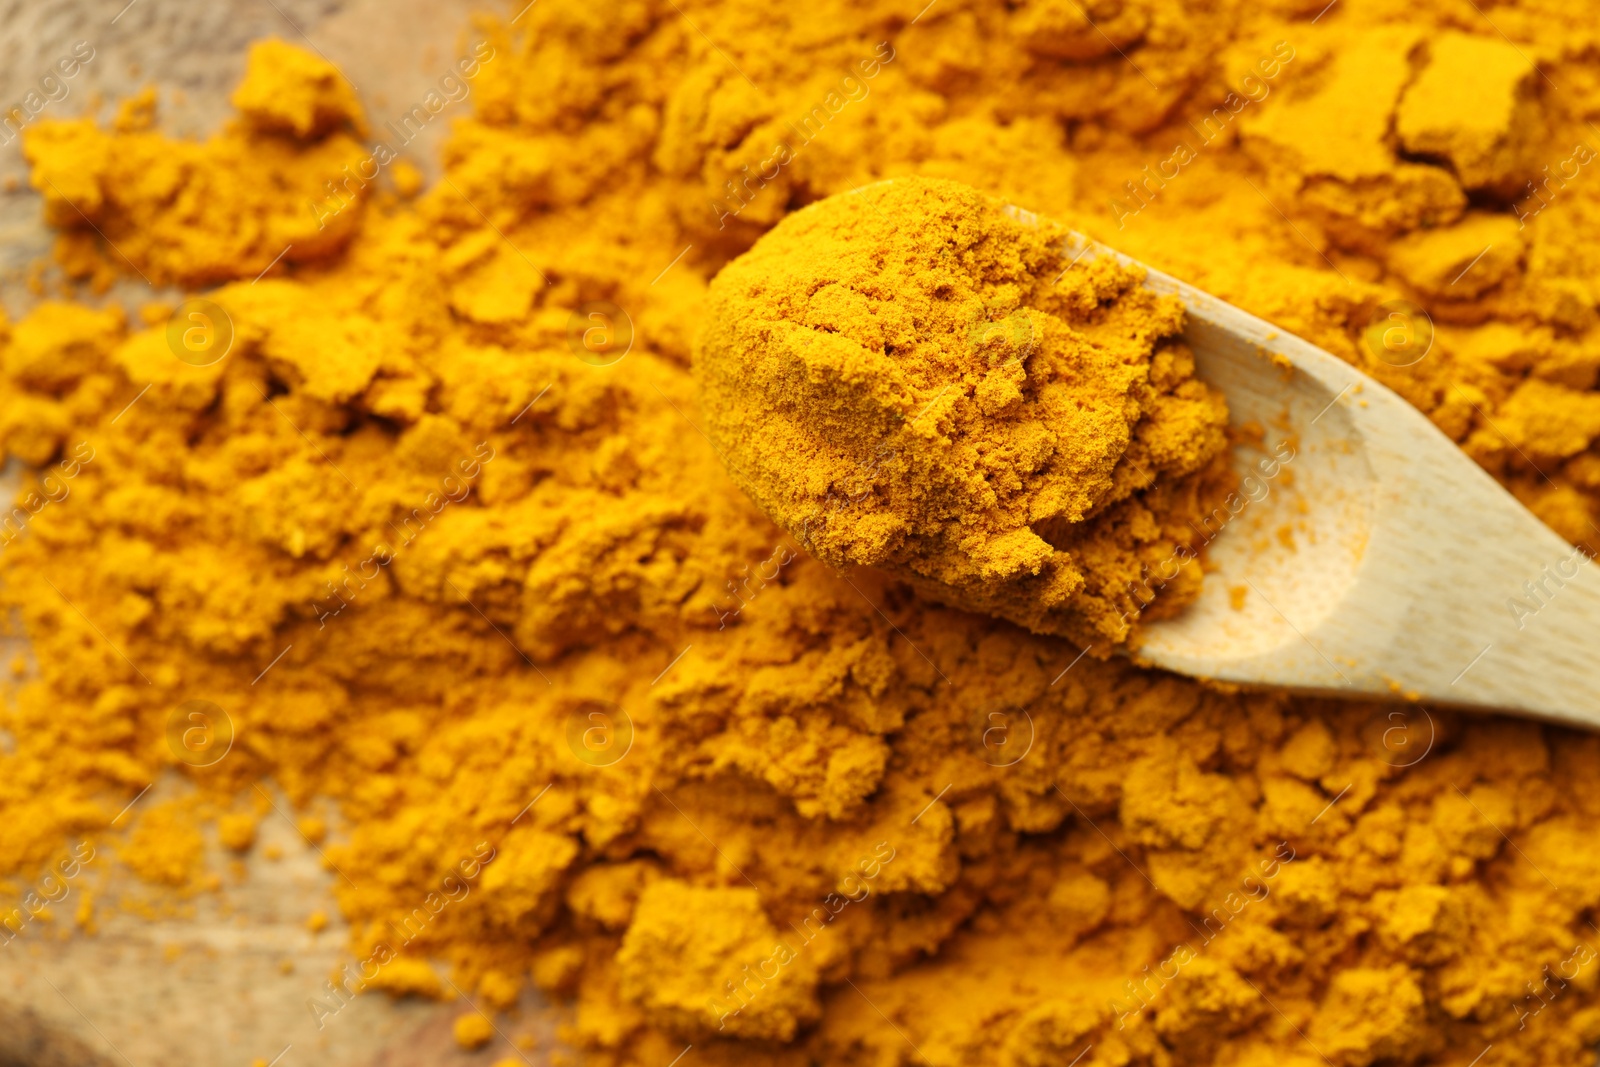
{"x":1377,"y":559}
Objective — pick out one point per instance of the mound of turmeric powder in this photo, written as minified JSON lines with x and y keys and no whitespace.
{"x":435,"y":565}
{"x":912,"y":377}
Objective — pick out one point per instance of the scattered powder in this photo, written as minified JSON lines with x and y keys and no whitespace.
{"x":165,"y":847}
{"x":1097,"y":892}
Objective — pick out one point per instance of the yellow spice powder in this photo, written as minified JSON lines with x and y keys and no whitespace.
{"x":911,"y":377}
{"x":849,"y":825}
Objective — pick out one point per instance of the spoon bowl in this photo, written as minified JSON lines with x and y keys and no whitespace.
{"x":1365,"y":554}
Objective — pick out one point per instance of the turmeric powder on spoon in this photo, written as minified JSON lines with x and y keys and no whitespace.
{"x":909,"y":377}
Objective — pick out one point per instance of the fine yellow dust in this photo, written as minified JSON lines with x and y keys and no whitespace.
{"x":1032,"y":912}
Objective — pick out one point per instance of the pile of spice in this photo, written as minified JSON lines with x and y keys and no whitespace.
{"x":913,"y":377}
{"x":438,"y":559}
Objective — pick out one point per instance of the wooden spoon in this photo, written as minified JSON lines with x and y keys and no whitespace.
{"x":1378,"y":559}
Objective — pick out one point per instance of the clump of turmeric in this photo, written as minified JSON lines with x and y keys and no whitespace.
{"x":207,"y":211}
{"x":473,"y":1030}
{"x":914,"y":378}
{"x":289,"y":90}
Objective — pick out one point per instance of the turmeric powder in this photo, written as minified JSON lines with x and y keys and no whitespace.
{"x":912,"y":378}
{"x":1092,"y":863}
